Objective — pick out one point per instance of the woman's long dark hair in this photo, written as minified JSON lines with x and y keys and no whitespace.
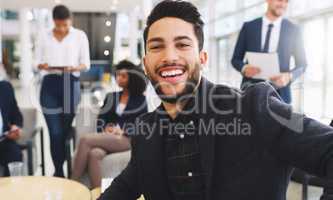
{"x":137,"y":80}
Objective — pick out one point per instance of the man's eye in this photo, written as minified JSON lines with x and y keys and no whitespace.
{"x":155,"y":47}
{"x":183,"y":45}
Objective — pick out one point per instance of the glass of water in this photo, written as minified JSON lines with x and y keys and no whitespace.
{"x":15,"y":168}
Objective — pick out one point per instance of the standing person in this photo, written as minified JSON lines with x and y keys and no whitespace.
{"x":119,"y":111}
{"x":61,"y":54}
{"x":271,"y":33}
{"x":208,"y":141}
{"x":11,"y":121}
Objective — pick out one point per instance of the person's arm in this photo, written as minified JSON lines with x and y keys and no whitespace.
{"x":105,"y":112}
{"x":15,"y":119}
{"x":15,"y":116}
{"x":40,"y":62}
{"x":292,"y":137}
{"x":125,"y":186}
{"x":299,"y":55}
{"x":239,"y":51}
{"x":84,"y":56}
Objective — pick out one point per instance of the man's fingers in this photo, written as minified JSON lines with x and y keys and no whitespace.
{"x":257,"y":69}
{"x":275,"y":78}
{"x":13,"y":135}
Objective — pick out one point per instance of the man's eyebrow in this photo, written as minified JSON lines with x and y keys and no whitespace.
{"x":182,"y":38}
{"x":156,"y":39}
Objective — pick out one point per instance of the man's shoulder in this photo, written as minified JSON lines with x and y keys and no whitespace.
{"x":5,"y":85}
{"x":255,"y":92}
{"x":222,"y":89}
{"x":291,"y":25}
{"x":259,"y":94}
{"x":253,"y":21}
{"x":148,"y":117}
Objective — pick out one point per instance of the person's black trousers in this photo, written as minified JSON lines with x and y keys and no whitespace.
{"x":10,"y":151}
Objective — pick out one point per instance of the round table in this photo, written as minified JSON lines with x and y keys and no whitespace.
{"x":42,"y":188}
{"x":95,"y":193}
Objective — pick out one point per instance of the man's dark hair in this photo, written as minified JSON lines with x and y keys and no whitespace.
{"x":137,"y":81}
{"x":179,"y":9}
{"x":61,"y":12}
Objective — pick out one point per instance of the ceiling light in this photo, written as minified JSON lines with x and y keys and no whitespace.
{"x":108,"y":23}
{"x":106,"y":52}
{"x":107,"y":39}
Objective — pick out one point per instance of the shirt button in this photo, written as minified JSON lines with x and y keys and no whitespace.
{"x":190,"y":174}
{"x":181,"y":136}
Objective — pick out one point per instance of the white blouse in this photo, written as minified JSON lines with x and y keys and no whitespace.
{"x":120,"y":108}
{"x":73,"y":50}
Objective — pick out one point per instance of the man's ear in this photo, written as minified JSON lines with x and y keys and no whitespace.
{"x":203,"y":57}
{"x":144,"y":64}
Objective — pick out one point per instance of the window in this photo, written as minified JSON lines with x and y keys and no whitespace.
{"x":329,"y":89}
{"x":313,"y":84}
{"x":248,"y":3}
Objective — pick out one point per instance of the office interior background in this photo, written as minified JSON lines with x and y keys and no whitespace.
{"x":115,"y":27}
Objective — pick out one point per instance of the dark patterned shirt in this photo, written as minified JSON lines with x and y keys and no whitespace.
{"x":183,"y":163}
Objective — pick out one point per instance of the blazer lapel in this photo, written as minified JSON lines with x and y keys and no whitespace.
{"x":258,"y":35}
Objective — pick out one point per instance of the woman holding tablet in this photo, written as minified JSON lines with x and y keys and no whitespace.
{"x":61,"y":54}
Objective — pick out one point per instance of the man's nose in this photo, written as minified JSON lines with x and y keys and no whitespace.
{"x":170,"y":54}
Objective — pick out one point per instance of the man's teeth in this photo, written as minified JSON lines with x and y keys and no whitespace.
{"x":172,"y":73}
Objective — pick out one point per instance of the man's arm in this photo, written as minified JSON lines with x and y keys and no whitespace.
{"x":239,"y":52}
{"x":291,"y":137}
{"x":299,"y":55}
{"x":125,"y":186}
{"x":15,"y":116}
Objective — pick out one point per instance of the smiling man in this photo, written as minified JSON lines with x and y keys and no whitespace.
{"x":212,"y":142}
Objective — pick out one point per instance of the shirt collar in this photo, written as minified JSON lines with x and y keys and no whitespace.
{"x":276,"y":23}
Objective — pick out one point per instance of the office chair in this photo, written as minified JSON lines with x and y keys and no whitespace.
{"x":28,"y":141}
{"x":69,"y":148}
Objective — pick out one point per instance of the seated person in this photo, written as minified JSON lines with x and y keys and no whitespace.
{"x":120,"y":109}
{"x":10,"y":122}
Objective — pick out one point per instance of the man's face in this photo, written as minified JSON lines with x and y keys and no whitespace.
{"x":173,"y":61}
{"x":62,"y":25}
{"x":277,"y":7}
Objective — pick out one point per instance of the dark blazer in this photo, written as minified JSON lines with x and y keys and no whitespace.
{"x":10,"y":112}
{"x":136,"y":106}
{"x":290,"y":44}
{"x":254,"y":166}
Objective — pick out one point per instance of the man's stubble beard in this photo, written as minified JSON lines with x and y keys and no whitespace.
{"x":190,"y":86}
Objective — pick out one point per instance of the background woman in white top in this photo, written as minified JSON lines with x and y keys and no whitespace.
{"x":61,"y":54}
